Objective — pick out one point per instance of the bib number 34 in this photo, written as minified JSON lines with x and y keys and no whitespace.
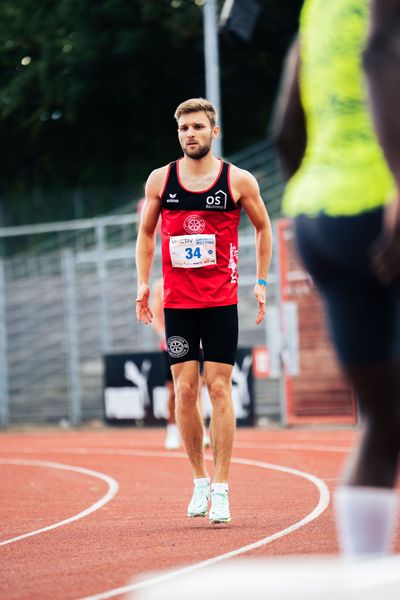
{"x":190,"y":253}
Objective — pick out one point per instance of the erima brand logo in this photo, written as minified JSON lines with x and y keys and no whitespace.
{"x":177,"y":346}
{"x":217,"y":201}
{"x":194,"y":224}
{"x":172,"y":198}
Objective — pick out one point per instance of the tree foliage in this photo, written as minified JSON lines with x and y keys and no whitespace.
{"x":88,"y":89}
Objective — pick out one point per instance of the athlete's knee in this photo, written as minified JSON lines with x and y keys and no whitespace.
{"x":219,"y":390}
{"x":185,"y":394}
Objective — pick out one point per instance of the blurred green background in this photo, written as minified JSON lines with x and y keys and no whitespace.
{"x":88,"y":90}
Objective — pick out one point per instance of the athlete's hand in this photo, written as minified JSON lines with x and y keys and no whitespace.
{"x":143,"y":311}
{"x":259,"y":292}
{"x":385,"y":253}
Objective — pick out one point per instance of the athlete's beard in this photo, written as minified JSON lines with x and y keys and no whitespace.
{"x":200,"y":151}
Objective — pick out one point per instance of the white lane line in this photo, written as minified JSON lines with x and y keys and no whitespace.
{"x":240,"y":445}
{"x":311,"y":447}
{"x":112,"y":490}
{"x":323,"y":503}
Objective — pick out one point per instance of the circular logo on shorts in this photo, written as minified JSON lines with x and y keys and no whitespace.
{"x":177,"y":346}
{"x":194,"y":224}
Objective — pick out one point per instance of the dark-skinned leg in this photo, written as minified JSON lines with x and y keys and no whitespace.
{"x":366,"y":501}
{"x":376,"y":459}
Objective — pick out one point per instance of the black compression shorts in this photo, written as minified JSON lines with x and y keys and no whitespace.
{"x":216,"y":328}
{"x":363,"y":314}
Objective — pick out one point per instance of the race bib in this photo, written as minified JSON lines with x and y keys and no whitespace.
{"x":192,"y":251}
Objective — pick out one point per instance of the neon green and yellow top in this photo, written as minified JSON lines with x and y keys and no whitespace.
{"x":343,"y":171}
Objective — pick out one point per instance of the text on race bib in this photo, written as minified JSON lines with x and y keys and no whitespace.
{"x":192,"y":251}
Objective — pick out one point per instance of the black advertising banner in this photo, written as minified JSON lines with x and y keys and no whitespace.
{"x":134,"y":390}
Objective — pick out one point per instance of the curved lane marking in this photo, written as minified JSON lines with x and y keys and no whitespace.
{"x":112,"y":490}
{"x":323,"y":503}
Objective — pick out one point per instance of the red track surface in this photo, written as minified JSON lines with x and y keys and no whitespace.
{"x":144,"y":527}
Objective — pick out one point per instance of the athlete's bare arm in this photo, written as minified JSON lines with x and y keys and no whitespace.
{"x":146,"y":240}
{"x":157,"y":308}
{"x":382,"y":67}
{"x":246,"y":190}
{"x":288,"y":122}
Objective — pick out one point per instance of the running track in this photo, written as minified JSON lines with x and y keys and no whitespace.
{"x":84,"y":513}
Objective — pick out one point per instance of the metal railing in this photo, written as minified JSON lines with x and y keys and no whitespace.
{"x":61,"y":313}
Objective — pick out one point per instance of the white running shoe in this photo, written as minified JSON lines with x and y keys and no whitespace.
{"x":219,"y":512}
{"x":172,"y":440}
{"x":198,"y":506}
{"x":206,"y":440}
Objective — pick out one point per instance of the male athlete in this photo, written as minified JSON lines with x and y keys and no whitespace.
{"x":346,"y":203}
{"x":199,"y":198}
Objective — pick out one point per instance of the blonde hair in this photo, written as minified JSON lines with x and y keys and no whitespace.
{"x":197,"y":105}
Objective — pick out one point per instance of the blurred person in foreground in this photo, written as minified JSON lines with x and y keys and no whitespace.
{"x":172,"y":438}
{"x":200,"y":199}
{"x":344,"y":196}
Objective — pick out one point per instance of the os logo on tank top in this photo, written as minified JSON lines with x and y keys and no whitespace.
{"x":194,"y":224}
{"x":217,"y":201}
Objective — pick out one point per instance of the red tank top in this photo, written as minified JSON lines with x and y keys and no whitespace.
{"x":199,"y":233}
